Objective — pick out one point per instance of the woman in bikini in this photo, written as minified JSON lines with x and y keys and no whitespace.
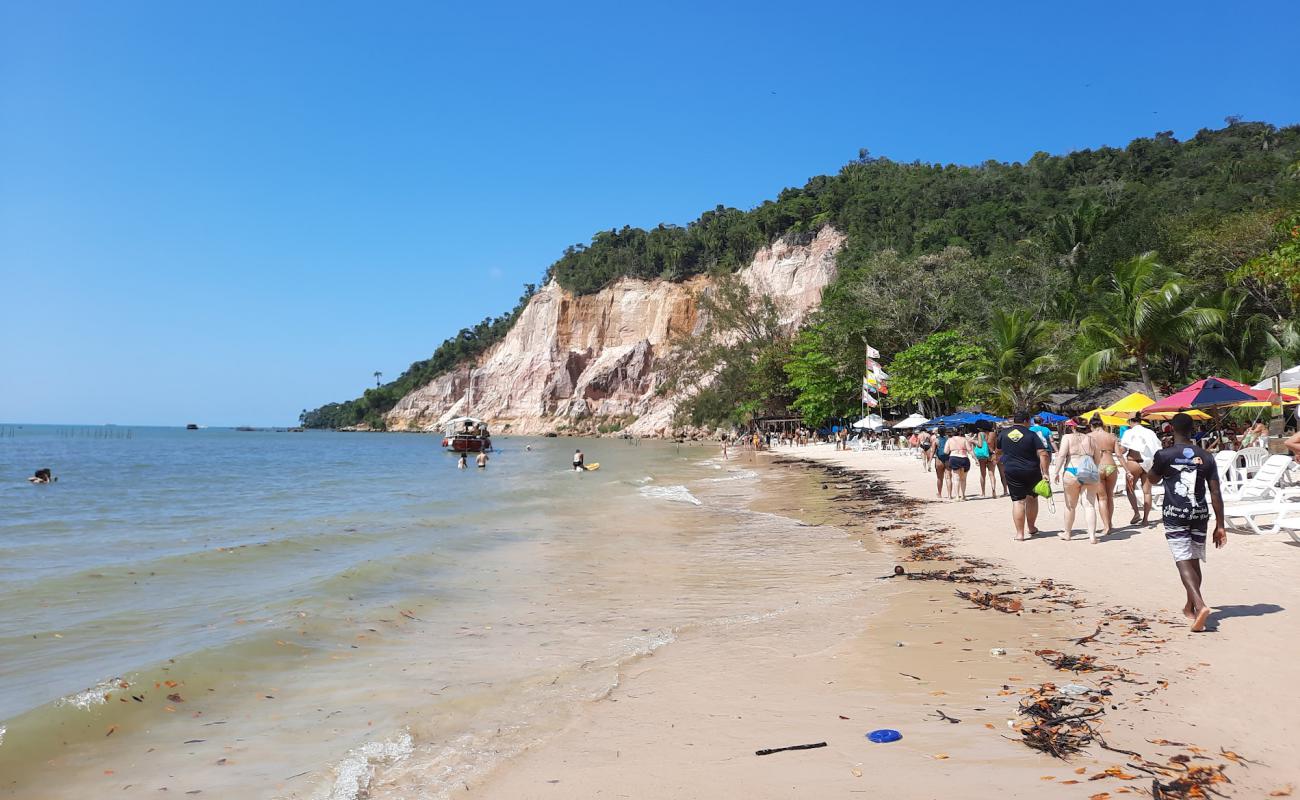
{"x":1074,"y":447}
{"x":938,"y":450}
{"x":983,"y":453}
{"x":1106,"y":445}
{"x":927,"y":450}
{"x":959,"y":455}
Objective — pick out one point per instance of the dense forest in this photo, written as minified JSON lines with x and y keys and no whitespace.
{"x":1196,"y":234}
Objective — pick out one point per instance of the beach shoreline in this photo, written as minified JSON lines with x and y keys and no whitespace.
{"x":686,"y":722}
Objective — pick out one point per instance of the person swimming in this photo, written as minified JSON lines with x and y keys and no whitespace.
{"x":42,"y":475}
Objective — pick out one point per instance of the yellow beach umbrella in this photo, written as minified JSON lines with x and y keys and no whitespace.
{"x":1290,"y":397}
{"x":1126,"y":406}
{"x":1106,"y":419}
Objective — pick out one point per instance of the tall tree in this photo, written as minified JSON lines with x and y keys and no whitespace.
{"x":1140,"y":312}
{"x":934,"y":372}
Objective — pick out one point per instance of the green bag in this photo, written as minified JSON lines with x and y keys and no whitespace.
{"x":1043,"y":488}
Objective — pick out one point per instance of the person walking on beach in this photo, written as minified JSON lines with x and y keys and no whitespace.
{"x":1109,"y":456}
{"x":983,"y":452}
{"x":1045,"y":432}
{"x":959,"y":455}
{"x":938,"y":449}
{"x":1024,"y":460}
{"x":1139,"y":445}
{"x":1077,"y":472}
{"x":1188,"y":472}
{"x":927,"y":455}
{"x":577,"y":461}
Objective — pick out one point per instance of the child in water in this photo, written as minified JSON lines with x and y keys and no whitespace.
{"x":462,"y":462}
{"x":42,"y":476}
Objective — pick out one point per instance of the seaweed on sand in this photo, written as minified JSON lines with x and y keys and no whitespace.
{"x":1071,"y":663}
{"x":1007,"y":605}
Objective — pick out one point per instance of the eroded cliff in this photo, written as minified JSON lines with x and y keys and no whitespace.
{"x":592,"y":363}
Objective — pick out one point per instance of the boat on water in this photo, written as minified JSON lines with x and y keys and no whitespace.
{"x":466,"y":435}
{"x":192,"y":427}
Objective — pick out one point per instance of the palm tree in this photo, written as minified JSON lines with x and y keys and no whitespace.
{"x":1018,"y":366}
{"x":1140,"y":312}
{"x":1241,"y":340}
{"x":378,"y":375}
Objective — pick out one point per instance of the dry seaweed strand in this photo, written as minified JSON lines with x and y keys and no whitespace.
{"x":1007,"y":605}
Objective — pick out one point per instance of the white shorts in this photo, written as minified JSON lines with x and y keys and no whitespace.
{"x":1185,"y":544}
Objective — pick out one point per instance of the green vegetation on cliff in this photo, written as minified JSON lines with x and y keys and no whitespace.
{"x":935,"y":248}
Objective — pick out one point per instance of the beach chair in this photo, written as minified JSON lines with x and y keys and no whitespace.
{"x":1252,"y":459}
{"x":1285,"y":517}
{"x":1230,"y":476}
{"x":1263,"y":485}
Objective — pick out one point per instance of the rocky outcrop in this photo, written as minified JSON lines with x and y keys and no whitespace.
{"x":590,"y":363}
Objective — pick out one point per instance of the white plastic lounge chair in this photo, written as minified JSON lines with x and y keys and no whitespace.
{"x":1263,"y":485}
{"x":1253,"y":458}
{"x":1230,"y":477}
{"x":1285,"y":517}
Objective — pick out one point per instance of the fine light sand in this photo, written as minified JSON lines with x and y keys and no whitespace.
{"x":685,"y":722}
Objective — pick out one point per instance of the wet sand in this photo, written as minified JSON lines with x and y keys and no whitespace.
{"x":686,"y":721}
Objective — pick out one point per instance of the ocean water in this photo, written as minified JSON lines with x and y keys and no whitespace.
{"x":323,"y":615}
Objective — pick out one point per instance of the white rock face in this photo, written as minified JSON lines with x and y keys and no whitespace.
{"x":581,"y":362}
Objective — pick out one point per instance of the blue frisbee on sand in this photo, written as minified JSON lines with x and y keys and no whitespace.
{"x":884,"y":735}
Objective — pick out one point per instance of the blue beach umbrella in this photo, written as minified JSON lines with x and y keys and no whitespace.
{"x":1047,"y":416}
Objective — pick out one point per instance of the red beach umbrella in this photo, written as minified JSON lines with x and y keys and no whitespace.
{"x":1209,"y":393}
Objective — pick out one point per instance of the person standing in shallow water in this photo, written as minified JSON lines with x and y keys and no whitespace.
{"x":577,"y":461}
{"x":1188,"y":472}
{"x":481,"y":460}
{"x":1024,"y":460}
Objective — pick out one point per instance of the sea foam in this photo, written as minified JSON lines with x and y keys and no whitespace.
{"x":676,"y":494}
{"x":352,"y":775}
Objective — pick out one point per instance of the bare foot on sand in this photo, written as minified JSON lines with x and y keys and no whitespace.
{"x":1188,"y":612}
{"x":1202,"y":616}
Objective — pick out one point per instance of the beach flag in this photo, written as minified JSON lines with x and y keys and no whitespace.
{"x":868,"y":399}
{"x":872,"y":352}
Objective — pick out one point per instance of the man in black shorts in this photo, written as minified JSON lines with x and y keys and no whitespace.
{"x":1024,"y":459}
{"x":1188,"y":473}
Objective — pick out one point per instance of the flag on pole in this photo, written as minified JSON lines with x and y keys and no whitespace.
{"x":872,"y":352}
{"x":869,"y":400}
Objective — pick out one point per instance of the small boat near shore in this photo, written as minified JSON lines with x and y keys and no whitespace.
{"x":466,"y":435}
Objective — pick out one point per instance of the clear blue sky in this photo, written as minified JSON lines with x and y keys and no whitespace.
{"x":223,"y":212}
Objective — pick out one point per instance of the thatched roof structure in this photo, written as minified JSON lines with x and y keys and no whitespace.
{"x":1099,"y":396}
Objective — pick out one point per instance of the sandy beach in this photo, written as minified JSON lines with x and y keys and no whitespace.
{"x":910,"y":655}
